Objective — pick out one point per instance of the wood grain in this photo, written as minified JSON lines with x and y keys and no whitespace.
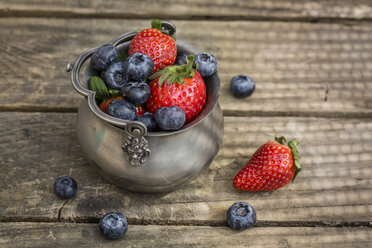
{"x":193,"y":9}
{"x":300,"y":69}
{"x":334,"y":186}
{"x":87,"y":235}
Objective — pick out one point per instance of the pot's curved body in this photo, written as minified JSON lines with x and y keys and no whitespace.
{"x":175,"y":159}
{"x":134,"y":159}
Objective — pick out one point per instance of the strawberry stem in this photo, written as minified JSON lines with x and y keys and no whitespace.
{"x":155,"y":23}
{"x":175,"y":73}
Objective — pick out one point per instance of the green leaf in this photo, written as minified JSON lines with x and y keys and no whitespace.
{"x":175,"y":72}
{"x":280,"y":140}
{"x":296,"y":156}
{"x":191,"y":75}
{"x":171,"y":78}
{"x":156,"y":74}
{"x":293,"y":145}
{"x":98,"y":85}
{"x":190,"y":60}
{"x":114,"y":93}
{"x":122,"y":56}
{"x":180,"y":80}
{"x":190,"y":63}
{"x":163,"y":78}
{"x":138,"y":30}
{"x":155,"y":23}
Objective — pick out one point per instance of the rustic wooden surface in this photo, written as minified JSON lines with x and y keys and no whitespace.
{"x":328,"y":191}
{"x":194,"y":9}
{"x":87,"y":235}
{"x":311,"y":61}
{"x":300,"y":68}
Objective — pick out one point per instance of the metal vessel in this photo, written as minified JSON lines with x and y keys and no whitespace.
{"x":137,"y":160}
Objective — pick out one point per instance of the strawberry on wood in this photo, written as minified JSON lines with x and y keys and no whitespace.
{"x":272,"y":166}
{"x":178,"y":85}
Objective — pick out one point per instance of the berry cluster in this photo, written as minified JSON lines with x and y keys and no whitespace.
{"x":145,"y":84}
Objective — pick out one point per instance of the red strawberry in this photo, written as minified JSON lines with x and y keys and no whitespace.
{"x":184,"y":88}
{"x":140,"y":110}
{"x":160,"y":47}
{"x":272,"y":166}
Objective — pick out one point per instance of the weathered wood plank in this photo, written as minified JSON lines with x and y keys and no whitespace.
{"x":334,"y":187}
{"x":299,"y":68}
{"x":87,"y":235}
{"x":227,"y":9}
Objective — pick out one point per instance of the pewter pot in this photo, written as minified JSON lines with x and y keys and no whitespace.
{"x":137,"y":160}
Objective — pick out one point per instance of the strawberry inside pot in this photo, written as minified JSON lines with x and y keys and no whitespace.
{"x":128,"y":155}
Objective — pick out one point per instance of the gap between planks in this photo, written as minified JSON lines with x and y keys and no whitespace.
{"x":135,"y":221}
{"x":6,"y":13}
{"x":230,"y":113}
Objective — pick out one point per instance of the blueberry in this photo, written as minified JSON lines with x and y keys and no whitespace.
{"x":136,"y":92}
{"x":122,"y":109}
{"x":207,"y":64}
{"x":103,"y":57}
{"x":65,"y":187}
{"x":242,"y":86}
{"x":181,"y":59}
{"x":114,"y":76}
{"x":241,"y":216}
{"x":113,"y":225}
{"x":147,"y":119}
{"x":138,"y":67}
{"x":170,"y":118}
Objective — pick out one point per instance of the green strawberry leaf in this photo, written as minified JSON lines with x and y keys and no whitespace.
{"x":190,"y":59}
{"x":280,"y":140}
{"x":157,"y":74}
{"x":98,"y":85}
{"x":114,"y":93}
{"x":122,"y":56}
{"x":293,"y":145}
{"x":188,"y":69}
{"x":190,"y":62}
{"x":175,"y":73}
{"x":296,"y":156}
{"x":180,"y":80}
{"x":163,"y":78}
{"x":155,"y":23}
{"x":171,"y":79}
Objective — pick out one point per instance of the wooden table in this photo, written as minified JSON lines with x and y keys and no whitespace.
{"x":312,"y":63}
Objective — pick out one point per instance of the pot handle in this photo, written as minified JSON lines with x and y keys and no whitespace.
{"x":74,"y":68}
{"x":134,"y":143}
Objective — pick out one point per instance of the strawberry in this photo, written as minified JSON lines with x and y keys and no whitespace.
{"x":140,"y":110}
{"x":178,"y":85}
{"x":160,"y":47}
{"x":272,"y":166}
{"x":103,"y":105}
